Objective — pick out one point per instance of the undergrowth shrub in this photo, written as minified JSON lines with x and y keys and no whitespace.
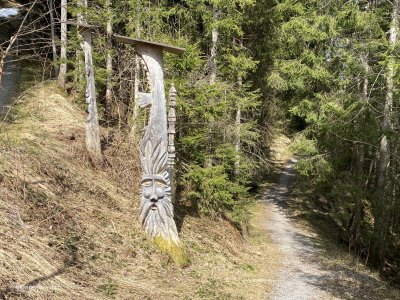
{"x":211,"y":192}
{"x":313,"y":165}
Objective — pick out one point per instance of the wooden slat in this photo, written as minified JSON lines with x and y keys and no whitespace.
{"x":133,"y":41}
{"x":82,"y":26}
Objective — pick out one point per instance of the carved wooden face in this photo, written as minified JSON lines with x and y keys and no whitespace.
{"x":156,"y":211}
{"x":154,"y":188}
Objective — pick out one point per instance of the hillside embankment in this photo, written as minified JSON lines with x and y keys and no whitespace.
{"x":70,"y":231}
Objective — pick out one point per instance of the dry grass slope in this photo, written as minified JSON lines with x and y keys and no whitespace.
{"x":68,"y":231}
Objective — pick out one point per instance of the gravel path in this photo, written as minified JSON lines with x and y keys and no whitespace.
{"x":8,"y":82}
{"x":300,"y":272}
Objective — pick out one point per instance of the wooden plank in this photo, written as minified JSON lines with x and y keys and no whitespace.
{"x":82,"y":26}
{"x":133,"y":41}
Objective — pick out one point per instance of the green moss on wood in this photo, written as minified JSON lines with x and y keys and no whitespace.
{"x":176,"y":251}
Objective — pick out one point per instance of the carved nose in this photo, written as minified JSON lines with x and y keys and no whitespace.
{"x":153,"y":194}
{"x":153,"y":197}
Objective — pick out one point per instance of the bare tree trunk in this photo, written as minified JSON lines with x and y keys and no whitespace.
{"x":386,"y":124}
{"x":355,"y":226}
{"x":17,"y":47}
{"x":238,"y":124}
{"x":213,"y":75}
{"x":214,"y":41}
{"x":53,"y":35}
{"x":63,"y":52}
{"x":136,"y":87}
{"x":5,"y":53}
{"x":238,"y":120}
{"x":382,"y":206}
{"x":78,"y":53}
{"x":136,"y":95}
{"x":109,"y":58}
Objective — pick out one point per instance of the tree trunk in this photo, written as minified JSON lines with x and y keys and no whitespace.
{"x":237,"y":125}
{"x":53,"y":36}
{"x":136,"y":85}
{"x":355,"y":226}
{"x":79,"y":57}
{"x":237,"y":129}
{"x":238,"y":121}
{"x":63,"y":52}
{"x":5,"y":53}
{"x":109,"y":57}
{"x":382,"y":202}
{"x":386,"y":124}
{"x":214,"y":41}
{"x":213,"y":75}
{"x":136,"y":96}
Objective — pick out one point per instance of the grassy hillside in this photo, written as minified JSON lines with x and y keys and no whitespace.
{"x":69,"y":231}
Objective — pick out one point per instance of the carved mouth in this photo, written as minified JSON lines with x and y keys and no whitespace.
{"x":153,"y":206}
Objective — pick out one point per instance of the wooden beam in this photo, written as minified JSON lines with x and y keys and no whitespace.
{"x":82,"y":26}
{"x":133,"y":41}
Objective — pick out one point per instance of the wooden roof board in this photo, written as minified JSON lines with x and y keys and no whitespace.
{"x":134,"y":41}
{"x":82,"y":25}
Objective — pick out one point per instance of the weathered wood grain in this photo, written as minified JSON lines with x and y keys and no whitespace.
{"x":92,"y":122}
{"x":156,"y":209}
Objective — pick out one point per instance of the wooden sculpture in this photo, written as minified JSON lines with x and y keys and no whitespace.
{"x":156,"y":209}
{"x":171,"y":138}
{"x":92,"y":123}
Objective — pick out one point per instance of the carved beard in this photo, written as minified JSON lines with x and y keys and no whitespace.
{"x":156,"y":210}
{"x":157,"y":218}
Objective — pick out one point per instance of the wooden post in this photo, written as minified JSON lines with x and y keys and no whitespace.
{"x":171,"y":138}
{"x":156,"y":209}
{"x":92,"y":124}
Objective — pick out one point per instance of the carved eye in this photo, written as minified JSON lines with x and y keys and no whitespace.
{"x":146,"y":183}
{"x":160,"y":183}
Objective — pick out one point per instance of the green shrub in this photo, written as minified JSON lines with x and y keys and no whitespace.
{"x":313,"y":165}
{"x":213,"y":194}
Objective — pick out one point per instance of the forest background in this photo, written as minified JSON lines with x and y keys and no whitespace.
{"x":323,"y":72}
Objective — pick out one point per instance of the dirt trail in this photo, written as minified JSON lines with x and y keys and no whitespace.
{"x":310,"y":270}
{"x":299,"y":276}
